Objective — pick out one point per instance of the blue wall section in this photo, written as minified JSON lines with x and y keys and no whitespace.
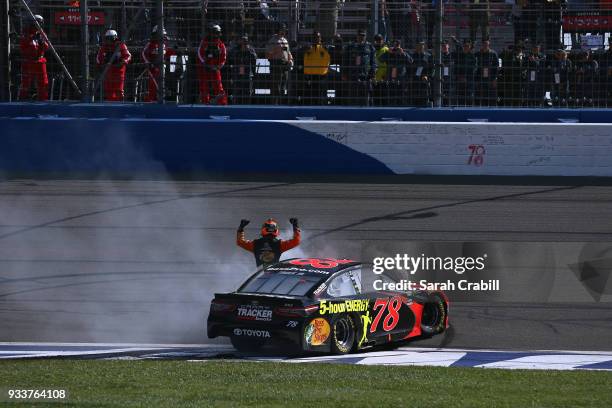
{"x":291,"y":113}
{"x":130,"y":138}
{"x":177,"y":146}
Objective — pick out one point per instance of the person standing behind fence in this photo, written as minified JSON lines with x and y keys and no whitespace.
{"x":211,"y":57}
{"x":486,"y":74}
{"x":513,"y":75}
{"x":316,"y":66}
{"x":334,"y":76}
{"x":150,"y":56}
{"x":536,"y":62}
{"x":359,"y":68}
{"x":242,"y":61}
{"x":465,"y":69}
{"x":398,"y":61}
{"x":380,"y":94}
{"x":281,"y":62}
{"x":606,"y":75}
{"x":448,"y":74}
{"x":560,"y":68}
{"x":113,"y":57}
{"x":479,"y":16}
{"x":422,"y":69}
{"x":33,"y":62}
{"x":584,"y":79}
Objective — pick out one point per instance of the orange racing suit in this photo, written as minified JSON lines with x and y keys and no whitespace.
{"x":268,"y":249}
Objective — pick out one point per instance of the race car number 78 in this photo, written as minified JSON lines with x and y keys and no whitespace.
{"x":390,"y":321}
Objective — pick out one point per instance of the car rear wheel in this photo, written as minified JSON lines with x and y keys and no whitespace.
{"x":343,"y":335}
{"x":246,"y":344}
{"x":434,"y":316}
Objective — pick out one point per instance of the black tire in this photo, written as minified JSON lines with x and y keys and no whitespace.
{"x":247,"y":344}
{"x":343,"y":335}
{"x":434,"y":316}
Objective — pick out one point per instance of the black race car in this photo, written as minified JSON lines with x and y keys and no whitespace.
{"x":323,"y":305}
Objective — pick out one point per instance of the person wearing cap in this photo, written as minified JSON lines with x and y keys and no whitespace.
{"x":422,"y":69}
{"x":212,"y":56}
{"x":465,"y":70}
{"x":536,"y":62}
{"x":281,"y":62}
{"x":33,"y":46}
{"x":150,"y":56}
{"x":559,"y":70}
{"x":242,"y":62}
{"x":315,"y":66}
{"x":269,"y":247}
{"x":358,"y":69}
{"x":486,"y":74}
{"x":113,"y":57}
{"x":398,"y":62}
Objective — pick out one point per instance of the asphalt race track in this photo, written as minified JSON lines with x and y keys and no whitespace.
{"x":138,"y":261}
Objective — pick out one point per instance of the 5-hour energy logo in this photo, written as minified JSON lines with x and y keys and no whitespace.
{"x":358,"y":305}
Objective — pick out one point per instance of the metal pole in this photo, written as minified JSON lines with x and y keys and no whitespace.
{"x":375,"y":13}
{"x":161,"y":62}
{"x":438,"y":54}
{"x":84,"y":51}
{"x":52,"y":48}
{"x":124,"y":24}
{"x":294,"y":15}
{"x":5,"y":54}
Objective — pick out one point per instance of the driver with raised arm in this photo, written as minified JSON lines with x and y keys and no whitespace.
{"x":269,"y":247}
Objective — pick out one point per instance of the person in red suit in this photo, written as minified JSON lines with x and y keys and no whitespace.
{"x":211,"y":58}
{"x":269,"y":247}
{"x":33,"y":46}
{"x":115,"y":53}
{"x":150,"y":57}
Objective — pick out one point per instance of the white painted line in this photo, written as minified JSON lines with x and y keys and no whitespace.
{"x":548,"y":362}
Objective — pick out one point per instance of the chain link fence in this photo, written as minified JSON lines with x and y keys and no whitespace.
{"x":514,"y":53}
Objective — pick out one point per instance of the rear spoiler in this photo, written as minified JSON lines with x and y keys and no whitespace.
{"x":260,"y":296}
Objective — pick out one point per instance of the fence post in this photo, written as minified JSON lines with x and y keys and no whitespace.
{"x":438,"y":54}
{"x":375,"y":12}
{"x":84,"y":51}
{"x":161,"y":61}
{"x":5,"y":54}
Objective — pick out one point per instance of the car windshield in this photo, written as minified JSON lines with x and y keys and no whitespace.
{"x":368,"y":279}
{"x":280,"y":283}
